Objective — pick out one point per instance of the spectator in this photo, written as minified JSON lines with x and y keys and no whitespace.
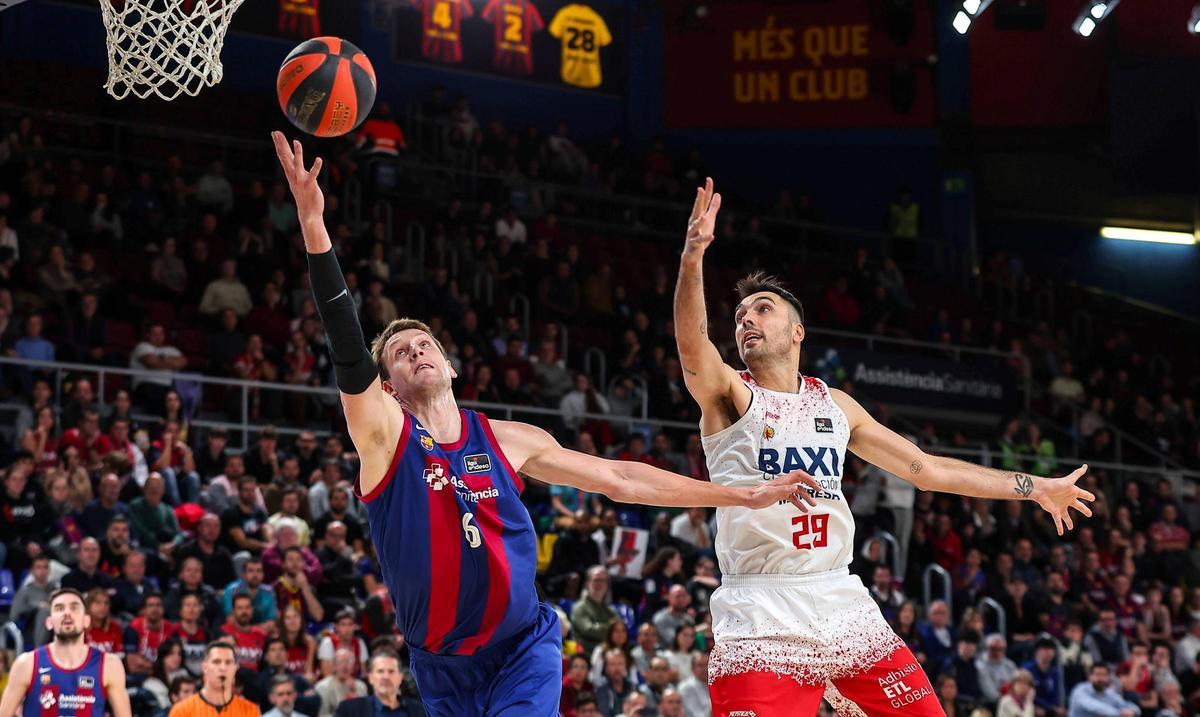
{"x":581,"y":399}
{"x":133,"y":585}
{"x":282,"y":695}
{"x":573,"y":548}
{"x":1105,"y":642}
{"x":213,"y":191}
{"x":617,"y":638}
{"x":293,"y":588}
{"x":103,"y":633}
{"x":340,"y":685}
{"x":145,"y":635}
{"x":168,"y":272}
{"x":996,"y":671}
{"x":680,"y":654}
{"x":575,"y":684}
{"x":691,"y":526}
{"x":674,"y":616}
{"x":301,"y":647}
{"x":154,"y":359}
{"x":937,"y":636}
{"x":657,"y":680}
{"x":289,"y":507}
{"x":30,"y":606}
{"x":616,"y":685}
{"x":154,"y":524}
{"x":249,"y":639}
{"x":26,"y":528}
{"x":215,"y":559}
{"x":342,"y":638}
{"x":593,"y":612}
{"x":963,"y":668}
{"x":226,"y":292}
{"x":884,"y":592}
{"x":1019,"y":701}
{"x":647,"y":647}
{"x":694,"y":688}
{"x":167,"y":667}
{"x":244,"y":525}
{"x":1047,"y":679}
{"x":1098,"y":697}
{"x":32,"y":347}
{"x":191,"y":631}
{"x":262,"y":597}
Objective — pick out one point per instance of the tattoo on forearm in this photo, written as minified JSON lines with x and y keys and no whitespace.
{"x":1024,"y":484}
{"x":916,"y":467}
{"x":704,"y":328}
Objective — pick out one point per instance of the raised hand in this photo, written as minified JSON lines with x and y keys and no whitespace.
{"x":701,"y":229}
{"x":310,"y":199}
{"x":1058,"y":496}
{"x":789,"y":487}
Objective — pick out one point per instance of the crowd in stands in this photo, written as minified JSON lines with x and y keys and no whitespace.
{"x":177,"y":537}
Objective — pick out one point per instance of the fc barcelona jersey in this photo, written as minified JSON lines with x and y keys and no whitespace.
{"x":456,"y":546}
{"x":583,"y":32}
{"x":441,"y":28}
{"x":515,"y":22}
{"x":58,"y":692}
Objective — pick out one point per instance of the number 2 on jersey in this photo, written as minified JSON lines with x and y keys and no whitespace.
{"x":512,"y":28}
{"x":470,"y":531}
{"x":808,"y":526}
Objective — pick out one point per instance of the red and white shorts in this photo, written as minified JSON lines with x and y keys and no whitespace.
{"x":785,"y":641}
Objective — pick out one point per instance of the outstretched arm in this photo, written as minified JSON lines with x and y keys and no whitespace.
{"x":715,"y":386}
{"x":881,"y":446}
{"x":373,"y":417}
{"x":534,"y":452}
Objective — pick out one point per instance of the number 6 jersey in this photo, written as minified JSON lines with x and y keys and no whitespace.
{"x":456,"y":546}
{"x":780,"y":433}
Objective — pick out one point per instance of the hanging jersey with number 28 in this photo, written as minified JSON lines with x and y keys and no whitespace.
{"x":583,"y":33}
{"x":515,"y":22}
{"x":456,"y":545}
{"x":780,"y":433}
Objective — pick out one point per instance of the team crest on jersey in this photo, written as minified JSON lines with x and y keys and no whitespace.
{"x":47,"y":699}
{"x":823,"y":425}
{"x":45,"y":679}
{"x":478,"y":463}
{"x":436,"y":477}
{"x":768,"y":433}
{"x":87,"y":683}
{"x":427,"y":442}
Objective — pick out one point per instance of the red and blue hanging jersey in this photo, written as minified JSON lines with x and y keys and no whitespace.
{"x":456,"y":546}
{"x":515,"y":22}
{"x":58,"y":692}
{"x":441,"y":28}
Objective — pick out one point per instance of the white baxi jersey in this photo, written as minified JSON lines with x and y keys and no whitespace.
{"x":780,"y":433}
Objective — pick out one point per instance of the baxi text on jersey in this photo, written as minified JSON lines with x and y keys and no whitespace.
{"x":822,"y":461}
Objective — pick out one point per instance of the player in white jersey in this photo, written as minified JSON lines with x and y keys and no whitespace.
{"x":790,"y":620}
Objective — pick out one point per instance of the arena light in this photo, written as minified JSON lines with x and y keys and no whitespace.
{"x":1091,"y":15}
{"x":1194,"y":22}
{"x":971,"y":9}
{"x":1147,"y":235}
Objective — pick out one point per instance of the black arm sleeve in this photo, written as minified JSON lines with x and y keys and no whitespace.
{"x":352,"y":363}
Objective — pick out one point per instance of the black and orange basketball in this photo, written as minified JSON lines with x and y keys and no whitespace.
{"x":326,"y":86}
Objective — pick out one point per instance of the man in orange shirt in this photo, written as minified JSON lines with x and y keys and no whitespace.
{"x":216,"y":698}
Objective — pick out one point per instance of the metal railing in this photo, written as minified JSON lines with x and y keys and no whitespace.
{"x":893,"y":550}
{"x":10,"y":634}
{"x":947,"y":586}
{"x":998,"y":610}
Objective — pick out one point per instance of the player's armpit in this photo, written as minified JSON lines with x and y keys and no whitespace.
{"x":375,"y":422}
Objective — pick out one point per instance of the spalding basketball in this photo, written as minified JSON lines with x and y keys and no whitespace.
{"x":326,"y":86}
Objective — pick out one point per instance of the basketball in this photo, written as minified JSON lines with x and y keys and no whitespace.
{"x":326,"y":86}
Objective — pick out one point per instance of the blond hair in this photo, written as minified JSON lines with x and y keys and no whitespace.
{"x":398,"y":325}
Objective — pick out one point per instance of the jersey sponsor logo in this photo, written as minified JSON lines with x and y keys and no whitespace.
{"x":478,"y":463}
{"x":768,"y":433}
{"x":47,"y":699}
{"x":821,"y":461}
{"x":823,"y":425}
{"x":86,"y":683}
{"x":773,"y":416}
{"x":436,"y":477}
{"x":75,"y":702}
{"x":743,"y":713}
{"x":427,"y":442}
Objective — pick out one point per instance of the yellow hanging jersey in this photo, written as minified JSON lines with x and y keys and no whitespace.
{"x":583,"y":33}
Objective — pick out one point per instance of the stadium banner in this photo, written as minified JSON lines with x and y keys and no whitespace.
{"x":629,"y":547}
{"x":577,"y":45}
{"x":765,"y":64}
{"x":982,"y":386}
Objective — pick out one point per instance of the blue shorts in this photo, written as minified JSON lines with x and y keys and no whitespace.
{"x":519,"y":677}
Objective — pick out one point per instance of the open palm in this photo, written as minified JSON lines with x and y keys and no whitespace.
{"x":703,"y":223}
{"x":1058,"y":496}
{"x":310,"y":199}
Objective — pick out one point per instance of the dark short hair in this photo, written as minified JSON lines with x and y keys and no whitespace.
{"x":152,"y":594}
{"x":242,"y":596}
{"x":761,"y":281}
{"x":271,"y":641}
{"x":293,"y":549}
{"x":1044,"y":643}
{"x":218,"y":645}
{"x":385,"y":653}
{"x":969,"y":636}
{"x":585,"y":699}
{"x":64,"y":591}
{"x":178,"y":683}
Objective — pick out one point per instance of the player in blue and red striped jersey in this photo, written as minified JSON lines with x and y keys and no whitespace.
{"x":68,"y":677}
{"x":442,"y":487}
{"x":441,"y":28}
{"x":515,"y":22}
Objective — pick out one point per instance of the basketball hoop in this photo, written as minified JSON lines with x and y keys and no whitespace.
{"x":165,"y":47}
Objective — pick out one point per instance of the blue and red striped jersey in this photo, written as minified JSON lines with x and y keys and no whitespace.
{"x":456,"y":546}
{"x":515,"y":22}
{"x":58,"y":692}
{"x":441,"y":28}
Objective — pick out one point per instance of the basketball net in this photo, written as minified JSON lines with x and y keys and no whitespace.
{"x":165,"y":47}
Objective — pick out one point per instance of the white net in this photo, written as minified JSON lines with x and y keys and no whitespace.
{"x":165,"y":47}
